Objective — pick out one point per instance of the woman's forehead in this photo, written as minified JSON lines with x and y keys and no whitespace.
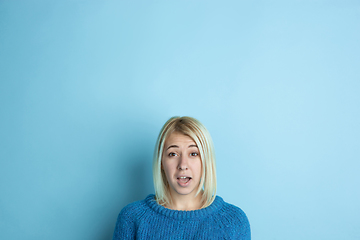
{"x":177,"y":137}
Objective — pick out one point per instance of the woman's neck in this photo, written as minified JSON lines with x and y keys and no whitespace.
{"x":186,"y":202}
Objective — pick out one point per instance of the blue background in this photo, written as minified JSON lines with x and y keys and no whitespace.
{"x":86,"y":86}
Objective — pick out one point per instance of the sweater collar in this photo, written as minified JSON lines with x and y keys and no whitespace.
{"x":181,"y":215}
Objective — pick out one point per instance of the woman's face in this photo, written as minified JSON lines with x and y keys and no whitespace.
{"x":182,"y":164}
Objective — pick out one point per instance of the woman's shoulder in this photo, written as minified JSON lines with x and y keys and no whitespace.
{"x":135,"y":208}
{"x":233,"y":211}
{"x":234,"y":220}
{"x":232,"y":215}
{"x":129,"y":218}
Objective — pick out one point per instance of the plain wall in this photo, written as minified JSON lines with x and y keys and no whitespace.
{"x":85,"y":87}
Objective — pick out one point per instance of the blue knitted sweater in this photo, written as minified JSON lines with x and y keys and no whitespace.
{"x":147,"y":219}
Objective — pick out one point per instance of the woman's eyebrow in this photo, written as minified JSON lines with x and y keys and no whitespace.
{"x":174,"y":146}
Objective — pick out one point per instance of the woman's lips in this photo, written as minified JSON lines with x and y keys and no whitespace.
{"x":184,"y":181}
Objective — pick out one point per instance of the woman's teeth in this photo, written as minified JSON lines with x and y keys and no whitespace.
{"x":184,"y":179}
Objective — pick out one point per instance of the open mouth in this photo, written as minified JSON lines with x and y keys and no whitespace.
{"x":183,"y":180}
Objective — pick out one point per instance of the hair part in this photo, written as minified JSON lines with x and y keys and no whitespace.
{"x":196,"y":130}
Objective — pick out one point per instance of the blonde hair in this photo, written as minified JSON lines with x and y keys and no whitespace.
{"x":196,"y":130}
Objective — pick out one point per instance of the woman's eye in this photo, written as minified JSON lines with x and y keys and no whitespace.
{"x":172,"y":154}
{"x":194,"y":154}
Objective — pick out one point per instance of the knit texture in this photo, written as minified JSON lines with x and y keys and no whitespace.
{"x":147,"y":219}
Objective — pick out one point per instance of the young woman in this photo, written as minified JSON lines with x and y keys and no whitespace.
{"x":184,"y":205}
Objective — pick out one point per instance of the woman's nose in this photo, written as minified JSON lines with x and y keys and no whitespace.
{"x":183,"y":163}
